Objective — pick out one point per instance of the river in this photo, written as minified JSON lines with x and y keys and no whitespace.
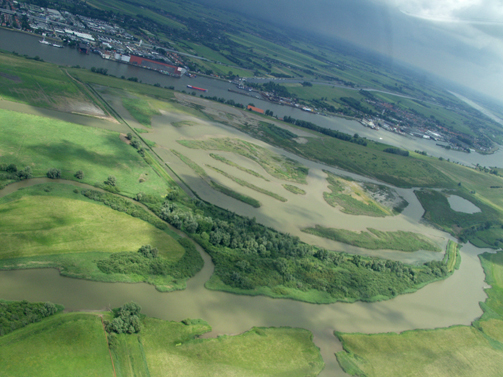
{"x":28,"y":44}
{"x":449,"y":302}
{"x":444,"y":303}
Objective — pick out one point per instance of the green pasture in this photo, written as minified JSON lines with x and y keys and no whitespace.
{"x":36,"y":225}
{"x":36,"y":83}
{"x":375,"y":239}
{"x":475,"y":350}
{"x":51,"y":225}
{"x":257,"y":352}
{"x":44,"y":143}
{"x":71,"y":344}
{"x":455,"y":351}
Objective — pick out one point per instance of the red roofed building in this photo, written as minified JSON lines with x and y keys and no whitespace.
{"x":256,"y":109}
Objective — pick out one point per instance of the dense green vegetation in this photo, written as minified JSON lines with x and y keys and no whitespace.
{"x":375,"y":239}
{"x":478,"y":348}
{"x":252,"y":259}
{"x":483,"y":229}
{"x":244,"y":183}
{"x":276,"y":165}
{"x":232,"y":163}
{"x":17,"y":314}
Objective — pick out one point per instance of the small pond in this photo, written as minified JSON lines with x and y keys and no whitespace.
{"x":460,"y":204}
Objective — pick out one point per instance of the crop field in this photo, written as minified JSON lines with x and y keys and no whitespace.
{"x":375,"y":239}
{"x":455,"y":351}
{"x":44,"y":143}
{"x":71,"y":344}
{"x":276,"y":165}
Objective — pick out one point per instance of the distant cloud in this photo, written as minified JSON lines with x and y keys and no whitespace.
{"x":469,"y":11}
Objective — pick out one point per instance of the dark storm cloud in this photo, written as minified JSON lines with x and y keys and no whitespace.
{"x":461,"y":40}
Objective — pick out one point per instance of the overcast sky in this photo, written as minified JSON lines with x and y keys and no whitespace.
{"x":461,"y":40}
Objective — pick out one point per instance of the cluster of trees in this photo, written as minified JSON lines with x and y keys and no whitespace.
{"x":102,"y":71}
{"x":17,"y":314}
{"x":397,"y":151}
{"x":248,"y":255}
{"x":146,"y":261}
{"x":326,"y":131}
{"x":222,"y":100}
{"x":135,"y":143}
{"x":127,"y":319}
{"x":12,"y":172}
{"x":54,"y":173}
{"x":276,"y":131}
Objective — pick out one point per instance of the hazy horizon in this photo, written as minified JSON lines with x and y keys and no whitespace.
{"x":459,"y":40}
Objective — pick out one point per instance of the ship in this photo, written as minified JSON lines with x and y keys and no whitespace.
{"x":196,"y":88}
{"x":43,"y":41}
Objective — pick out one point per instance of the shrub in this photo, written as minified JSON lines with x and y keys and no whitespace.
{"x":79,"y":174}
{"x":111,"y":181}
{"x":54,"y":173}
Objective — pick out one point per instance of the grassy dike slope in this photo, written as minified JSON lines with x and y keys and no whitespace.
{"x":74,"y":344}
{"x":50,"y":225}
{"x":70,"y":344}
{"x":475,"y":350}
{"x":45,"y":143}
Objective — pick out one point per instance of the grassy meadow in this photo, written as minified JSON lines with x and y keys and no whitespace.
{"x":475,"y":350}
{"x":375,"y":239}
{"x":52,"y":225}
{"x":44,"y":143}
{"x":232,"y":163}
{"x":257,"y":352}
{"x":39,"y":84}
{"x":76,"y":344}
{"x":70,"y":344}
{"x":294,"y":189}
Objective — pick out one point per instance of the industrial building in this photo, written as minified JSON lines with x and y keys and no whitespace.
{"x":157,"y":66}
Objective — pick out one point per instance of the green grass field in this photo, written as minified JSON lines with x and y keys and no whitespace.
{"x":276,"y":165}
{"x":38,"y":84}
{"x":74,"y":344}
{"x":36,"y":225}
{"x":44,"y":143}
{"x":475,"y":350}
{"x":50,"y":225}
{"x":375,"y":239}
{"x":71,"y":344}
{"x":140,"y":109}
{"x":455,"y":351}
{"x":258,"y":352}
